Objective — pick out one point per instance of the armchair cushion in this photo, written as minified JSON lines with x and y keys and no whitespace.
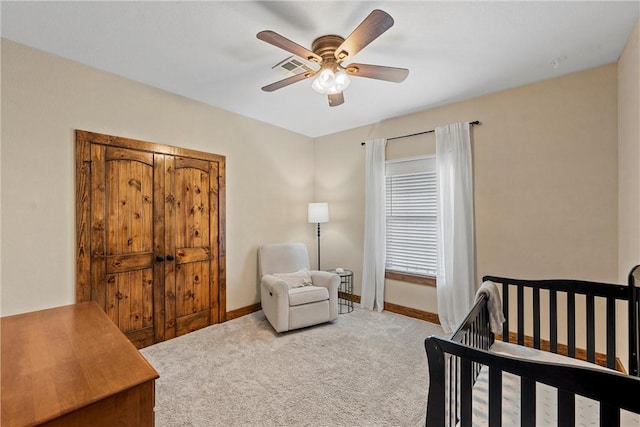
{"x":307,"y":294}
{"x":295,"y":280}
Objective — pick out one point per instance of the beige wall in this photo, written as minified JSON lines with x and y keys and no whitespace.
{"x":44,"y":98}
{"x":545,"y":172}
{"x":629,"y":154}
{"x":628,"y":167}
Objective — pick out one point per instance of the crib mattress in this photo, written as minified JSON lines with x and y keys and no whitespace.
{"x":587,"y":410}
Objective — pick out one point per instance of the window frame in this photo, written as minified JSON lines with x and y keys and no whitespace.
{"x":410,"y":277}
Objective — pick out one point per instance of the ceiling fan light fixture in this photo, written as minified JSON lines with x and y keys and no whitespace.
{"x":326,"y":79}
{"x":342,"y":80}
{"x":330,"y":83}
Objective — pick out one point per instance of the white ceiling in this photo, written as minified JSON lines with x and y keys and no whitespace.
{"x":208,"y":51}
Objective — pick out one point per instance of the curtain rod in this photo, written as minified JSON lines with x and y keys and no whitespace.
{"x":474,"y":123}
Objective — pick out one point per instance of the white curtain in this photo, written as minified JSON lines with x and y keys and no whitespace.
{"x":374,"y":227}
{"x":456,"y":246}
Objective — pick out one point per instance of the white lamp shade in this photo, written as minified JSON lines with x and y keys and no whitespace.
{"x":318,"y":212}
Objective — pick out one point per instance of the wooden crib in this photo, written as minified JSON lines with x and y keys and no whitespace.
{"x":529,"y":380}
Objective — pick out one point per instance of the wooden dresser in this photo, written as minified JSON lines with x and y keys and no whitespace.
{"x":71,"y":366}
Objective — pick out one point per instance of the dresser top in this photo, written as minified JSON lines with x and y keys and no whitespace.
{"x":58,"y":360}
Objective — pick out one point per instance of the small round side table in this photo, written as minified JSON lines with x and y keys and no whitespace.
{"x":345,"y":291}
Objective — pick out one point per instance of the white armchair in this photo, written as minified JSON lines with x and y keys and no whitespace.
{"x":286,"y":305}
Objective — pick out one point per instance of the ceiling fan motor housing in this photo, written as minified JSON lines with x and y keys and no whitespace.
{"x":325,"y":47}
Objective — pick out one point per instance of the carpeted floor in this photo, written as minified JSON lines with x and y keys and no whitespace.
{"x":365,"y":369}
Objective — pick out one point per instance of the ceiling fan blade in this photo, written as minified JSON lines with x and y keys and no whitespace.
{"x":286,"y":82}
{"x":336,"y":99}
{"x":276,"y":39}
{"x":390,"y":74}
{"x":371,"y":28}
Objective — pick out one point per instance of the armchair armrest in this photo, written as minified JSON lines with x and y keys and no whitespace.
{"x":274,"y":298}
{"x":275,"y":286}
{"x":325,"y":279}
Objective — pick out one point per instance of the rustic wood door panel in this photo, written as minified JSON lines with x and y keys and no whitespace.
{"x":124,"y":210}
{"x":150,"y":235}
{"x":194,"y":185}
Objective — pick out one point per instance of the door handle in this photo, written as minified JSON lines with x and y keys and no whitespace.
{"x":170,"y":258}
{"x":159,"y":258}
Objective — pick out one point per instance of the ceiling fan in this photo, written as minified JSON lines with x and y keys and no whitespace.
{"x":330,"y":51}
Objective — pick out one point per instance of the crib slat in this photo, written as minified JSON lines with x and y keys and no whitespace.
{"x":553,"y":326}
{"x":528,"y":402}
{"x":465,"y":393}
{"x":634,"y":321}
{"x":609,"y":415}
{"x":456,"y":401}
{"x":591,"y":329}
{"x":536,"y":318}
{"x":505,"y":309}
{"x":520,"y":315}
{"x":495,"y":397}
{"x":487,"y":331}
{"x":611,"y":333}
{"x":571,"y":323}
{"x":451,"y":415}
{"x":566,"y":408}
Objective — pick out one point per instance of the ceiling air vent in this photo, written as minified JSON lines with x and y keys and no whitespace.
{"x":293,"y":65}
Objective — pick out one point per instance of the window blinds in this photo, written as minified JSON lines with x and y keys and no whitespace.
{"x":411,"y":210}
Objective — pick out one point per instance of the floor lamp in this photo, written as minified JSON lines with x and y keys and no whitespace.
{"x":318,"y":213}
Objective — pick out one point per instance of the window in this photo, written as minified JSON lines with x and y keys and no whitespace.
{"x":411,"y":210}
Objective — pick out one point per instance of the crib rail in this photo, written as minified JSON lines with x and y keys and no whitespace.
{"x":448,"y":375}
{"x":613,"y":390}
{"x":592,"y":291}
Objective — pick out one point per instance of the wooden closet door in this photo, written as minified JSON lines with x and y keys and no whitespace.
{"x":150,"y":222}
{"x":122,"y":239}
{"x":191,"y":239}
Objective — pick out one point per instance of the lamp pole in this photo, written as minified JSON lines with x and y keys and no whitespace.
{"x":318,"y":246}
